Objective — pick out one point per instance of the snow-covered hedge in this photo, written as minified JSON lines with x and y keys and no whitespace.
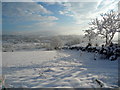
{"x":111,"y":52}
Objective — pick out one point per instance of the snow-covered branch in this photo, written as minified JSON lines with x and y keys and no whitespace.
{"x":107,"y":26}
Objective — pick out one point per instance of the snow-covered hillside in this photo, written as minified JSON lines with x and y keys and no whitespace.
{"x":65,"y":68}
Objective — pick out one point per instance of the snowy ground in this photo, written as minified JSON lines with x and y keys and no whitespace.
{"x":65,"y":68}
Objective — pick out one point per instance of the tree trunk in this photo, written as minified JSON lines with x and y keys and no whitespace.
{"x":110,"y":40}
{"x":106,"y":40}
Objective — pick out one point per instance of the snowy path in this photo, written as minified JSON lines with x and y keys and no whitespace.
{"x":38,"y":69}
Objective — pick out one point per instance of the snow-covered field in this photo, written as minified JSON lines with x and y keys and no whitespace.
{"x":65,"y":68}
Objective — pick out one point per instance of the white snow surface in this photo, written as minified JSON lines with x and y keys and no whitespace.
{"x":57,"y":69}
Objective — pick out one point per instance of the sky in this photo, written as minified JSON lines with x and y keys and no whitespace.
{"x":52,"y":18}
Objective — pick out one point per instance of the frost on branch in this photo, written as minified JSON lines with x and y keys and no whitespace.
{"x":90,"y":34}
{"x":107,"y":26}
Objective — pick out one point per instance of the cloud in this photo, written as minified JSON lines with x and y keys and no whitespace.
{"x":83,"y":12}
{"x":40,"y":25}
{"x":65,"y":12}
{"x":61,"y":12}
{"x":27,"y":12}
{"x":49,"y":0}
{"x":50,"y":30}
{"x":35,"y":18}
{"x":78,"y":11}
{"x":16,"y":9}
{"x":17,"y":0}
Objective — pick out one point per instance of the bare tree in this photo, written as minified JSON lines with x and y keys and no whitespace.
{"x":107,"y":26}
{"x":73,"y":41}
{"x":90,"y":34}
{"x":56,"y":43}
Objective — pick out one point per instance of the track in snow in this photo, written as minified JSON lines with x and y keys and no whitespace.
{"x":57,"y":69}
